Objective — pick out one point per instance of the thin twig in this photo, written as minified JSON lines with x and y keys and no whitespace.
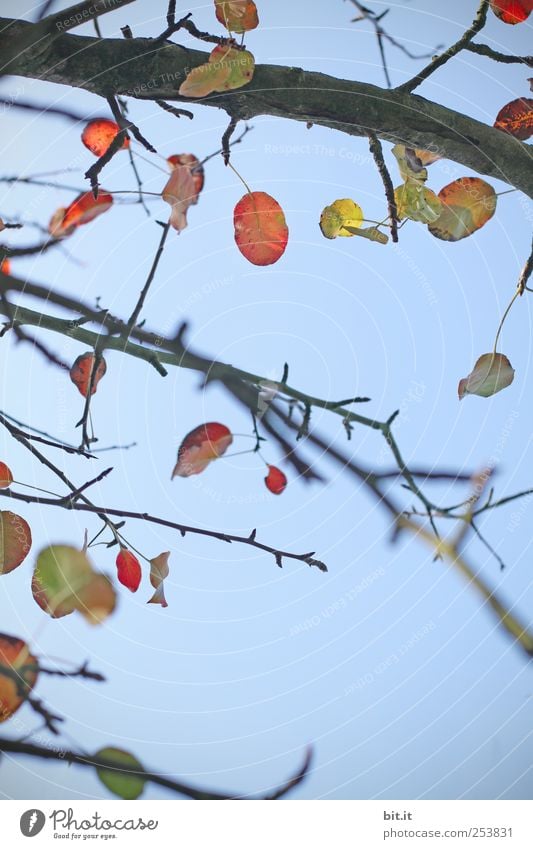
{"x":437,"y":62}
{"x":377,"y":152}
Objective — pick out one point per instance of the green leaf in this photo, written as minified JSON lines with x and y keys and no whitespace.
{"x":120,"y":781}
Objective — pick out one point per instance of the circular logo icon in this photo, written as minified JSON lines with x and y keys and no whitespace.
{"x":32,"y":822}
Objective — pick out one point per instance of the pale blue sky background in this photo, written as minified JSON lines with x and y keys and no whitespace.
{"x":402,"y":682}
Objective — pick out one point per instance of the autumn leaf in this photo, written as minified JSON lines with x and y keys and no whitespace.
{"x":129,"y":570}
{"x":15,"y":655}
{"x":180,"y":192}
{"x":467,"y":204}
{"x":67,"y":581}
{"x":80,"y":373}
{"x":491,"y":373}
{"x":512,"y":11}
{"x":83,"y":209}
{"x":195,"y":167}
{"x":118,"y":779}
{"x":6,"y":477}
{"x":237,"y":15}
{"x":261,"y":232}
{"x":5,"y":266}
{"x":516,"y":118}
{"x":205,"y":443}
{"x":158,"y":572}
{"x":411,"y":162}
{"x":98,"y":135}
{"x":417,"y":202}
{"x":15,"y":541}
{"x":338,"y":216}
{"x":275,"y":480}
{"x":372,"y":233}
{"x":42,"y":600}
{"x":226,"y":69}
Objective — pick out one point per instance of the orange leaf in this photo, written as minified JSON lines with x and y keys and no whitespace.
{"x":467,"y":204}
{"x":205,"y":443}
{"x":261,"y":232}
{"x":491,"y":373}
{"x":15,"y":541}
{"x":512,"y":11}
{"x":5,"y":267}
{"x":15,"y":655}
{"x":180,"y":192}
{"x":99,"y":134}
{"x":226,"y":69}
{"x":86,"y":207}
{"x":196,"y":169}
{"x":237,"y":15}
{"x":128,"y":570}
{"x":6,"y":478}
{"x":80,"y":373}
{"x":158,"y":572}
{"x":516,"y":118}
{"x":275,"y":481}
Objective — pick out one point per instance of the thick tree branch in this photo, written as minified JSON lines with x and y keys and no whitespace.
{"x":140,"y":68}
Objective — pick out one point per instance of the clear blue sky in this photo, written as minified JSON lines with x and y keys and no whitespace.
{"x":402,"y":682}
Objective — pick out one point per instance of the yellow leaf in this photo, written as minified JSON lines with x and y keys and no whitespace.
{"x":339,"y":216}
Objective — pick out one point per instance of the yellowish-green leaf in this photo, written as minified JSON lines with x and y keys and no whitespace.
{"x":227,"y":69}
{"x":68,"y":582}
{"x":120,"y":780}
{"x":415,"y":201}
{"x":341,"y":215}
{"x":372,"y":233}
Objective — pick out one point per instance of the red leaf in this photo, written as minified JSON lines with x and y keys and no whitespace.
{"x":99,"y":134}
{"x":5,"y":267}
{"x":275,"y":481}
{"x":516,"y":118}
{"x":261,"y":232}
{"x":15,"y":655}
{"x":128,"y":570}
{"x":237,"y":15}
{"x":205,"y":443}
{"x":197,"y":170}
{"x":512,"y":11}
{"x":6,"y":477}
{"x":80,"y":373}
{"x":15,"y":541}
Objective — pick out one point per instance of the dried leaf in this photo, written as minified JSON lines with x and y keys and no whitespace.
{"x":205,"y":443}
{"x":491,"y":373}
{"x":340,"y":218}
{"x":261,"y":232}
{"x":196,"y":169}
{"x":15,"y":541}
{"x":80,"y":373}
{"x":98,"y":135}
{"x":275,"y":480}
{"x":372,"y":233}
{"x":516,"y":118}
{"x":129,"y":570}
{"x":15,"y":655}
{"x":180,"y":192}
{"x":467,"y":204}
{"x":82,"y":210}
{"x":158,"y":572}
{"x":237,"y":15}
